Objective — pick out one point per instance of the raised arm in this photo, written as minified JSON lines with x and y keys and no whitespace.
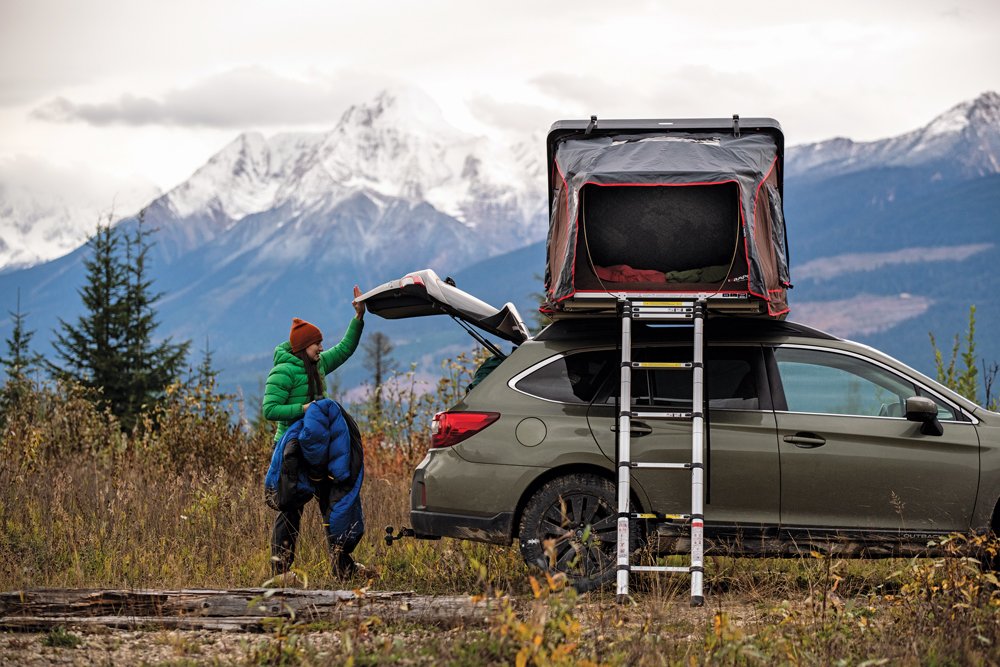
{"x":342,"y":351}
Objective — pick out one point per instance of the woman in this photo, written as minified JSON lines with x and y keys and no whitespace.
{"x":296,"y":381}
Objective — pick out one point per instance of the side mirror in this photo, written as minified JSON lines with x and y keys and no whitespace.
{"x":924,"y":410}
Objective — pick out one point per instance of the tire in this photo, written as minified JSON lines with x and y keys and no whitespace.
{"x":570,"y":525}
{"x":989,"y":558}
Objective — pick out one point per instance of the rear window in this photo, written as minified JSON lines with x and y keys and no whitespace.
{"x":574,"y":378}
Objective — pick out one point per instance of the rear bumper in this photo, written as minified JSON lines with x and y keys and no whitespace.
{"x":453,"y":497}
{"x":495,"y":529}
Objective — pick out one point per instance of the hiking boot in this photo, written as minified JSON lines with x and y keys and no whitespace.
{"x":283,"y":580}
{"x":346,"y":566}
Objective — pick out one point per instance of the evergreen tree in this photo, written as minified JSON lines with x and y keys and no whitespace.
{"x":19,"y":360}
{"x":18,"y":363}
{"x":964,"y":381}
{"x":149,"y":367}
{"x":204,"y":385}
{"x":90,"y":351}
{"x":206,"y":375}
{"x":111,"y":348}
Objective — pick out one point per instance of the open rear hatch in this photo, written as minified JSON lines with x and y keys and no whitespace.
{"x":423,"y":293}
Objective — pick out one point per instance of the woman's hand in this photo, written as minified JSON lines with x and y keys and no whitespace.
{"x":305,"y":406}
{"x":359,"y":307}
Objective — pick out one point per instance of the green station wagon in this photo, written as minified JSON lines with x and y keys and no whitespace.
{"x":813,"y":443}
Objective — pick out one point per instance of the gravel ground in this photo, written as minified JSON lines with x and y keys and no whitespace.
{"x":369,"y":640}
{"x":181,"y":647}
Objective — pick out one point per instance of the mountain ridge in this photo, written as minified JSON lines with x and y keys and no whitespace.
{"x":398,"y":147}
{"x":964,"y":136}
{"x":264,"y":231}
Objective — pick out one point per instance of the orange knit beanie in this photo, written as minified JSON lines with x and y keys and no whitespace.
{"x":303,"y":335}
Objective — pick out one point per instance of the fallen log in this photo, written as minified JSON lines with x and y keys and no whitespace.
{"x":245,"y":609}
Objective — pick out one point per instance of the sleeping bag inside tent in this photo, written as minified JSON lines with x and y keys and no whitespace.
{"x":691,"y":209}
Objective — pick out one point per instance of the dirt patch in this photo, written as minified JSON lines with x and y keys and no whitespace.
{"x":607,"y":631}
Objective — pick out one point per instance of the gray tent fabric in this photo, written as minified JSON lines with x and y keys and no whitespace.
{"x":717,"y":192}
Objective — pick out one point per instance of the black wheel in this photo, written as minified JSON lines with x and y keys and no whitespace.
{"x":570,"y":526}
{"x":989,"y":556}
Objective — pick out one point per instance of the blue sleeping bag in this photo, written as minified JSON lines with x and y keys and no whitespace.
{"x":324,"y":447}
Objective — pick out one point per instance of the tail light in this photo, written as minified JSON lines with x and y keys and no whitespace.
{"x":451,"y":428}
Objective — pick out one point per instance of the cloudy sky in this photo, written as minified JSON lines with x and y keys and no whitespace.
{"x":147,"y":90}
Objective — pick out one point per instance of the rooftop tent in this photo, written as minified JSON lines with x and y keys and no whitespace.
{"x":666,"y":208}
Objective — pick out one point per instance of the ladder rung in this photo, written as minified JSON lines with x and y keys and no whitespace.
{"x":645,"y":315}
{"x":661,"y":308}
{"x":673,"y":365}
{"x":661,"y":415}
{"x":664,"y":304}
{"x":658,"y":568}
{"x":655,"y":516}
{"x":662,"y":466}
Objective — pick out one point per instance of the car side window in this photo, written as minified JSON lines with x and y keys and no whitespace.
{"x":945,"y":412}
{"x":574,"y":378}
{"x":730,"y":380}
{"x":829,"y":383}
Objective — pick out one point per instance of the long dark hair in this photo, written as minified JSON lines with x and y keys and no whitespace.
{"x":312,"y":372}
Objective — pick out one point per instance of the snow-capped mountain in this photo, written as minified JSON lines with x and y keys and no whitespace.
{"x":36,"y":229}
{"x":397,"y":150}
{"x":271,"y":228}
{"x":48,"y":211}
{"x":963,"y":142}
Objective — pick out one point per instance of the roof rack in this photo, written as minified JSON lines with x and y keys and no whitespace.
{"x":723,"y":329}
{"x":604,"y":304}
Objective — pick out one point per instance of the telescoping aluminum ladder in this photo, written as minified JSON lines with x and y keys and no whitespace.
{"x":692,"y":311}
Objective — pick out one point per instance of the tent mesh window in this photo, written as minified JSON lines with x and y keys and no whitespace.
{"x":659,"y":237}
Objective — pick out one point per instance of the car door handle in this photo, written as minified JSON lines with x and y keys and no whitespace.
{"x":637,"y":430}
{"x":805,"y":440}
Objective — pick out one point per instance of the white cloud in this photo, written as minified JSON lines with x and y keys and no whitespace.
{"x":684,"y":91}
{"x":239,"y":98}
{"x":33,"y":177}
{"x":518,"y":117}
{"x":152,"y":86}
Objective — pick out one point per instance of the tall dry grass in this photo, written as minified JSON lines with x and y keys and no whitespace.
{"x":178,"y":502}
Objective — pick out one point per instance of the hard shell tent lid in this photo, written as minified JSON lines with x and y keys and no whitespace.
{"x":423,"y":293}
{"x":715,"y":224}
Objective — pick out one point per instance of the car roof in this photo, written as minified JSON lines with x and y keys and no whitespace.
{"x":733,"y":329}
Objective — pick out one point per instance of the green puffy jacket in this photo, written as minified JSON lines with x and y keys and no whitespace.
{"x":287,"y":388}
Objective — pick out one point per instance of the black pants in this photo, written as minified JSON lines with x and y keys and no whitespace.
{"x":286,"y":532}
